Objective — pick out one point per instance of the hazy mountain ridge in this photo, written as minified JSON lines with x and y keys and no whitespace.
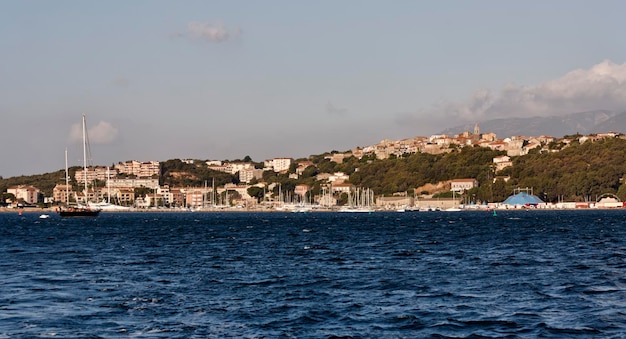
{"x":598,"y":121}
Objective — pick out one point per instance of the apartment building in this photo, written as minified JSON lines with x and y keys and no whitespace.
{"x":125,"y":196}
{"x":246,"y":175}
{"x":91,"y":196}
{"x":133,"y":183}
{"x":29,"y":194}
{"x":62,"y":193}
{"x":94,"y":173}
{"x":278,"y":164}
{"x":195,"y":198}
{"x":144,"y":169}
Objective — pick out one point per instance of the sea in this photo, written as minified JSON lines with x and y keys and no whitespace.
{"x":513,"y":274}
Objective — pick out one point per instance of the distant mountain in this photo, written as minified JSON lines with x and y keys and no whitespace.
{"x":600,"y":121}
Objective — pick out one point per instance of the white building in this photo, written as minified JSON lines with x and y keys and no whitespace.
{"x":338,"y":177}
{"x":278,"y":164}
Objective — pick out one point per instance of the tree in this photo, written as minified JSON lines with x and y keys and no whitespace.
{"x":256,"y":192}
{"x":7,"y":197}
{"x":310,"y":172}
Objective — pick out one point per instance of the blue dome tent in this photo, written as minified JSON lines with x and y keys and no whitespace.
{"x":523,"y":199}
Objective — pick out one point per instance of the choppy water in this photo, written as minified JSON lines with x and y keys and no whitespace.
{"x":315,"y":275}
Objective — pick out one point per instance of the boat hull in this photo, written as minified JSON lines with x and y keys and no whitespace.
{"x":79,"y":213}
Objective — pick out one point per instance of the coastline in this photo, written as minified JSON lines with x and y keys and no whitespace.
{"x":53,"y":210}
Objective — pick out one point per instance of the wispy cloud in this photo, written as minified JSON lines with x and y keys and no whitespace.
{"x":102,"y":133}
{"x":603,"y":86}
{"x":336,"y":111}
{"x":211,"y":32}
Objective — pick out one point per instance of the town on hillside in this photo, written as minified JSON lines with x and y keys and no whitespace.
{"x":135,"y":184}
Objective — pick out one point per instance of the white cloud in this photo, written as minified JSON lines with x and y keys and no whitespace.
{"x":102,"y":133}
{"x":603,"y":86}
{"x":216,"y":32}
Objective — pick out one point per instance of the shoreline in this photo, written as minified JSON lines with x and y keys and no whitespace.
{"x":53,"y":210}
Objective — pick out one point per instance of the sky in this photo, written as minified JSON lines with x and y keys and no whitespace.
{"x":160,"y":80}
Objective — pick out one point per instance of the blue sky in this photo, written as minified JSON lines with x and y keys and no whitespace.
{"x":224,"y":79}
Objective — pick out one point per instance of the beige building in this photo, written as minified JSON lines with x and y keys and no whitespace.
{"x":195,"y":198}
{"x":140,"y":169}
{"x":460,"y":185}
{"x":29,"y":194}
{"x":94,"y":173}
{"x":62,"y":193}
{"x":246,"y":175}
{"x":301,"y":189}
{"x":133,"y":183}
{"x":394,"y":202}
{"x":342,"y":188}
{"x":502,"y":162}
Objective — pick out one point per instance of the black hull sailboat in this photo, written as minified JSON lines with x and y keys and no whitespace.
{"x":79,"y":211}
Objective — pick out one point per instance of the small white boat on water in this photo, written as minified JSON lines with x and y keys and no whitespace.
{"x":44,"y":216}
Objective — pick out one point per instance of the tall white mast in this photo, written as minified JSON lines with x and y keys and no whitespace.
{"x":85,"y":156}
{"x":109,"y":184}
{"x":67,"y":182}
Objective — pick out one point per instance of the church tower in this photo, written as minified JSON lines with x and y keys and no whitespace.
{"x":476,"y":129}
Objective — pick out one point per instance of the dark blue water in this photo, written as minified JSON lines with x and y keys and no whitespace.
{"x":315,"y":275}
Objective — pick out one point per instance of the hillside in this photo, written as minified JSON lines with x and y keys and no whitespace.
{"x":579,"y":172}
{"x":576,"y":172}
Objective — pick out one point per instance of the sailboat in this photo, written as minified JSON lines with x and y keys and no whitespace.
{"x":453,"y":209}
{"x":79,"y":211}
{"x":106,"y":205}
{"x":361,"y":202}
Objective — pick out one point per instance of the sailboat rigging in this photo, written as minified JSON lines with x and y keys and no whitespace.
{"x":78,"y":210}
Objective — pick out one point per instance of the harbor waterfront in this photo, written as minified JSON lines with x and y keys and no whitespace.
{"x":531,"y":273}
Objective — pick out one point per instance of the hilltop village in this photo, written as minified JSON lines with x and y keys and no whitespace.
{"x":137,"y":184}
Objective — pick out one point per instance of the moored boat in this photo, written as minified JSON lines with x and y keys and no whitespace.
{"x":79,"y":211}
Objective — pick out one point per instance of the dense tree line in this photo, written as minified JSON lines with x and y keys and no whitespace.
{"x":406,"y":173}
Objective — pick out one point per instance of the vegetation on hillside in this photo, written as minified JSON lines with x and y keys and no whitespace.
{"x":574,"y":172}
{"x":45,"y":182}
{"x":404,"y":174}
{"x":579,"y":172}
{"x":177,"y":173}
